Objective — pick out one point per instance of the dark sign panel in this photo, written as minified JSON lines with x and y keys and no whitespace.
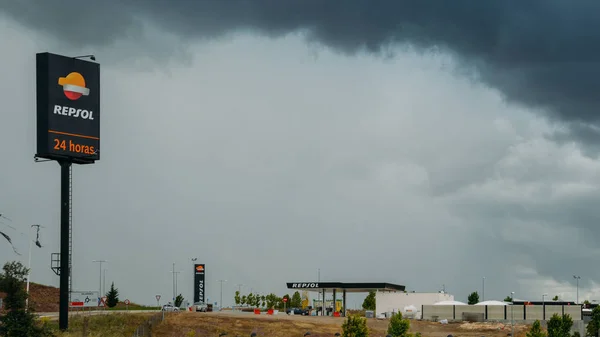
{"x":199,"y":285}
{"x":68,"y":109}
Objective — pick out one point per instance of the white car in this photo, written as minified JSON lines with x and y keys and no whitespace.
{"x":169,"y":307}
{"x":201,"y":307}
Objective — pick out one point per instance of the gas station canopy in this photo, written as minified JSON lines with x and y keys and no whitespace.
{"x":345,"y":287}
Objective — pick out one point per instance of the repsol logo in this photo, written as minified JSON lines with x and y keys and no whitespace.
{"x":305,"y":285}
{"x":72,"y":112}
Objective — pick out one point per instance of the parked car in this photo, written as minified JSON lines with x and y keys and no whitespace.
{"x":201,"y":307}
{"x":298,"y":311}
{"x":169,"y":307}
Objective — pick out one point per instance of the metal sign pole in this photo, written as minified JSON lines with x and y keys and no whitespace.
{"x":63,"y":317}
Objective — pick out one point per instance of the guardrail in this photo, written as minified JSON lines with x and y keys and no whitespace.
{"x":143,"y":330}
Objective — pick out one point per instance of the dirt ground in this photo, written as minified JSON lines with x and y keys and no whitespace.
{"x":243,"y":324}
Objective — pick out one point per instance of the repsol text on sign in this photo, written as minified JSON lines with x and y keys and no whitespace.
{"x":72,"y":112}
{"x":201,"y":289}
{"x":305,"y":285}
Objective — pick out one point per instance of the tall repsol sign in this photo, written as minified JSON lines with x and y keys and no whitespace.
{"x":199,"y":283}
{"x":68,"y":108}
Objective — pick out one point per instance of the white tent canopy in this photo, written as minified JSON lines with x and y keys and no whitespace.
{"x":450,"y":303}
{"x":492,"y":303}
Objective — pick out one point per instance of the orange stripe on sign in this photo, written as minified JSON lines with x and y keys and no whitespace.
{"x":72,"y":134}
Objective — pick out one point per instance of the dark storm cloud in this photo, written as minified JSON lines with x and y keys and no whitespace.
{"x":541,"y":53}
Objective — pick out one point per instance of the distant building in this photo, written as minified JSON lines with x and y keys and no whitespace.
{"x":409,"y":303}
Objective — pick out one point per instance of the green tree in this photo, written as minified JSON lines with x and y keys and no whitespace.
{"x":112,"y":296}
{"x":536,"y":330}
{"x":369,"y":303}
{"x":555,"y":298}
{"x":272,"y":301}
{"x":355,"y":326}
{"x":560,"y":326}
{"x":237,"y":298}
{"x":508,"y":299}
{"x":473,"y":298}
{"x":250,"y":299}
{"x":263,"y":301}
{"x":243,"y":300}
{"x":17,"y":321}
{"x":594,"y":324}
{"x":398,"y":326}
{"x":178,"y":300}
{"x":256,"y":302}
{"x":296,"y":301}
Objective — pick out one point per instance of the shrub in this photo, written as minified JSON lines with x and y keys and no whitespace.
{"x":560,"y":326}
{"x":355,"y":326}
{"x":536,"y":330}
{"x":398,"y":326}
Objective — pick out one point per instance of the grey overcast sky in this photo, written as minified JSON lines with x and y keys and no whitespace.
{"x":423,"y":143}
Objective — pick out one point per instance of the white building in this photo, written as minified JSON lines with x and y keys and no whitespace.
{"x":407,"y":302}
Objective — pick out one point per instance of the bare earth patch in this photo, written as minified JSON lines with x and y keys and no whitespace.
{"x":242,"y":324}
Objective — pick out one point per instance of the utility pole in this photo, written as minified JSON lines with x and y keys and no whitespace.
{"x":100,"y":282}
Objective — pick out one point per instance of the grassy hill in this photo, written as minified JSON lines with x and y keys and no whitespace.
{"x":42,"y":298}
{"x":46,"y":298}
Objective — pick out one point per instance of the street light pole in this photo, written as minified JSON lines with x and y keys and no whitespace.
{"x":221,"y":303}
{"x":193,"y":259}
{"x":483,"y":289}
{"x":577,"y":278}
{"x":239,"y":285}
{"x":319,"y":281}
{"x":29,"y":261}
{"x":100,"y":282}
{"x":104,"y":283}
{"x":28,"y":276}
{"x":173,"y":271}
{"x":176,"y":282}
{"x":512,"y":315}
{"x":544,"y":306}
